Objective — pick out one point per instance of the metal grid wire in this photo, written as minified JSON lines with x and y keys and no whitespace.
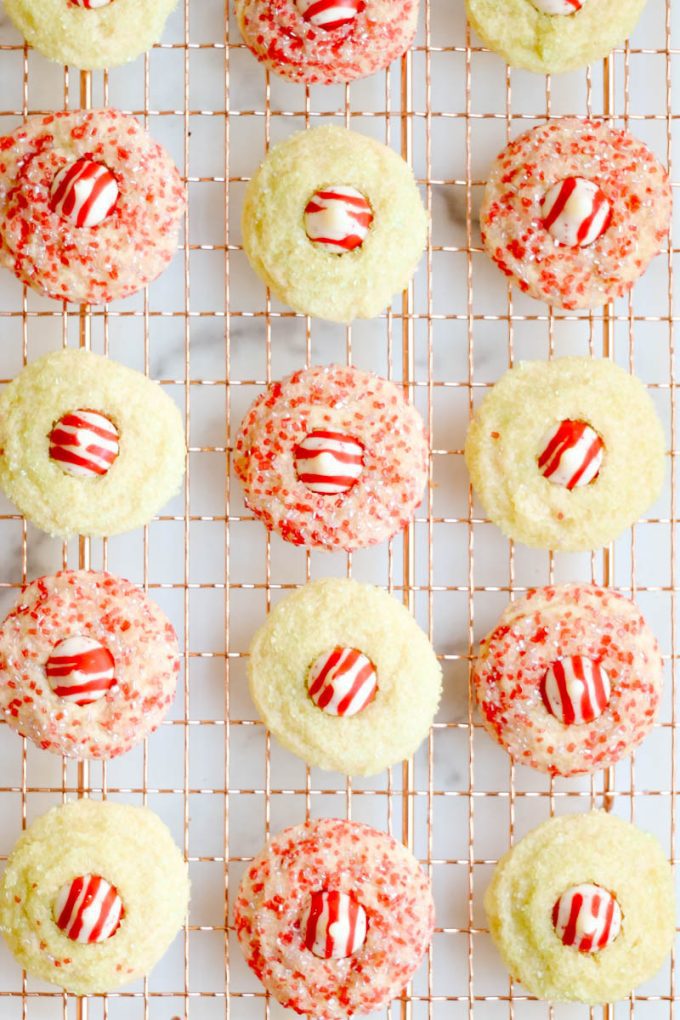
{"x":211,"y":335}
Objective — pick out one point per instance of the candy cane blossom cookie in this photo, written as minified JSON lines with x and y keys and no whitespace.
{"x":566,"y":454}
{"x":93,"y":894}
{"x":574,"y":211}
{"x":344,"y":677}
{"x":333,"y":458}
{"x":88,"y":664}
{"x":88,"y":446}
{"x":90,"y":205}
{"x":327,"y":41}
{"x":333,"y":222}
{"x":570,"y":679}
{"x":583,"y":908}
{"x":549,"y":36}
{"x":90,"y":33}
{"x":334,"y":917}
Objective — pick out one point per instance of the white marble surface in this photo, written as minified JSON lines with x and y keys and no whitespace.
{"x":209,"y":564}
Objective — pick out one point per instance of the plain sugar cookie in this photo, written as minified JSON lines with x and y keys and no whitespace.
{"x":333,"y":458}
{"x":88,"y":664}
{"x":323,"y":41}
{"x":344,"y":677}
{"x":88,"y":446}
{"x":333,"y":222}
{"x":570,"y":679}
{"x":574,"y":211}
{"x":566,"y":454}
{"x":549,"y":36}
{"x":90,"y":205}
{"x":583,"y":908}
{"x":334,"y":918}
{"x":93,"y":894}
{"x":90,"y":33}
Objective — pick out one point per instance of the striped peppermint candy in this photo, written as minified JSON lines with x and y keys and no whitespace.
{"x":81,"y":670}
{"x":328,"y":462}
{"x":338,"y":219}
{"x":88,"y":909}
{"x":576,"y":690}
{"x":334,"y":925}
{"x":84,"y":443}
{"x":91,"y":5}
{"x":342,"y":682}
{"x":330,"y":14}
{"x":84,"y":193}
{"x":576,"y":212}
{"x":571,"y":454}
{"x":558,"y":6}
{"x":587,"y":917}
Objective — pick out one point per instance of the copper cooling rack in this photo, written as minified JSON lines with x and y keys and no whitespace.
{"x":210,"y":333}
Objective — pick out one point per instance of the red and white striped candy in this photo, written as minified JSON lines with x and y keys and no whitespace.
{"x":91,"y":5}
{"x":338,"y":219}
{"x":576,"y":690}
{"x":558,"y":6}
{"x":84,"y":193}
{"x":88,"y":909}
{"x":587,"y":917}
{"x":84,"y":443}
{"x":329,"y":14}
{"x":334,"y":925}
{"x":571,"y":454}
{"x":80,"y":670}
{"x":576,"y":212}
{"x":328,"y":462}
{"x":342,"y":682}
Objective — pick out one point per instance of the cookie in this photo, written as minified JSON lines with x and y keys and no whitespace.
{"x":93,"y":894}
{"x":88,"y":446}
{"x":581,"y":461}
{"x":90,"y":205}
{"x":344,"y":677}
{"x":88,"y":664}
{"x":583,"y":908}
{"x":549,"y":36}
{"x":333,"y":458}
{"x":574,"y":211}
{"x":334,"y":917}
{"x":90,"y":33}
{"x":569,"y":681}
{"x":327,"y":41}
{"x":325,"y":252}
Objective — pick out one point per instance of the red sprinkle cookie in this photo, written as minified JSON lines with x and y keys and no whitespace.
{"x":88,"y":664}
{"x":575,"y":211}
{"x":327,"y":41}
{"x":333,"y":458}
{"x":90,"y":206}
{"x":334,"y":918}
{"x":570,"y":679}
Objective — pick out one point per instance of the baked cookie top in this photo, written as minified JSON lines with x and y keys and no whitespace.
{"x":344,"y":677}
{"x":615,"y":883}
{"x":90,"y":34}
{"x":566,"y":454}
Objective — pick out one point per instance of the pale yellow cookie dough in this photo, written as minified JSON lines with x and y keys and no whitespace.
{"x":504,"y":440}
{"x":567,"y":851}
{"x":357,"y":284}
{"x":90,"y":38}
{"x":145,"y":475}
{"x":314,"y":620}
{"x":526,"y":37}
{"x":128,"y":846}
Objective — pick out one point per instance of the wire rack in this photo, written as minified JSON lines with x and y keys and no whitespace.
{"x":212,"y":336}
